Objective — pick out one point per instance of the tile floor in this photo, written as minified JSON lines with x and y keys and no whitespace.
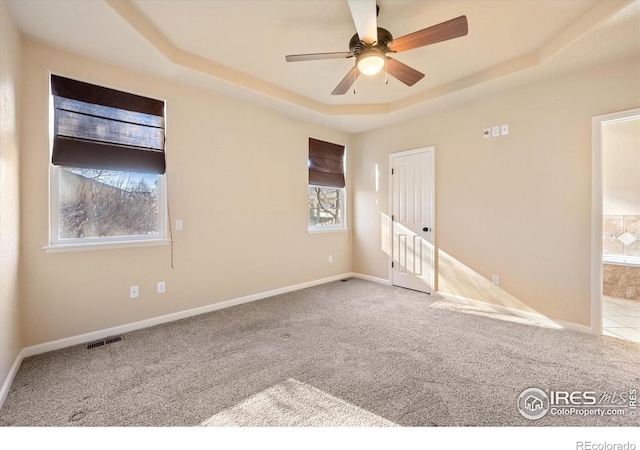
{"x":621,"y":318}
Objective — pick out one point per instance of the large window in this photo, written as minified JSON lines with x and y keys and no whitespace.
{"x":326,"y":192}
{"x":108,"y":165}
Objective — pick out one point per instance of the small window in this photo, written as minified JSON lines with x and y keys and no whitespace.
{"x":108,"y":165}
{"x":326,"y":207}
{"x":326,"y":191}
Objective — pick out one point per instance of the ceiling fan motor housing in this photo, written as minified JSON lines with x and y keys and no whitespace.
{"x":356,"y":46}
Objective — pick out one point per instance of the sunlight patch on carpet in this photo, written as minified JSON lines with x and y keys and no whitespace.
{"x":477,"y":311}
{"x":295,"y":404}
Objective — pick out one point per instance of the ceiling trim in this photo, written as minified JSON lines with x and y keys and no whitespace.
{"x":599,"y":13}
{"x":132,"y":15}
{"x":176,"y":55}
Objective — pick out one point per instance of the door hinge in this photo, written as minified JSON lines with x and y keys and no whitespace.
{"x":393,"y":171}
{"x":393,"y":218}
{"x":392,"y":264}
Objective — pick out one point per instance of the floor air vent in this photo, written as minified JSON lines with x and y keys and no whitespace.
{"x":102,"y":342}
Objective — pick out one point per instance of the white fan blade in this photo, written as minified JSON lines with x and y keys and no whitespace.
{"x":364,"y":17}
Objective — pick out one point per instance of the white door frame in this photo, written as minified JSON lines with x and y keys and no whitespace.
{"x":596,"y":211}
{"x":432,"y":154}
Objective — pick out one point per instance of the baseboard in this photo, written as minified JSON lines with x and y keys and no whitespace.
{"x":370,"y":278}
{"x":121,"y":329}
{"x":536,"y":317}
{"x":575,"y":327}
{"x":10,"y":376}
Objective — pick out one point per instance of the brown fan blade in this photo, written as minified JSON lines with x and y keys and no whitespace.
{"x":442,"y":32}
{"x":316,"y":56}
{"x":346,"y":82}
{"x":402,"y":72}
{"x":364,"y":17}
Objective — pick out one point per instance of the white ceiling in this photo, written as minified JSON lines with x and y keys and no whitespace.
{"x":238,"y":47}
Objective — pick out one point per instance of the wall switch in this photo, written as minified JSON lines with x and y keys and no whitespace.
{"x":178,"y":224}
{"x":160,"y":287}
{"x":504,"y":129}
{"x":330,"y":258}
{"x":486,"y":133}
{"x":495,"y":279}
{"x":495,"y":131}
{"x":134,"y":291}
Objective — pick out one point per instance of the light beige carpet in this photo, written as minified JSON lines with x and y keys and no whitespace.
{"x":295,"y":404}
{"x":410,"y":358}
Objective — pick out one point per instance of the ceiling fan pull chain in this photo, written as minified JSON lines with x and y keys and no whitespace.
{"x":355,"y":78}
{"x":386,"y":72}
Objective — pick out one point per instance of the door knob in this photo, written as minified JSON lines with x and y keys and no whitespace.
{"x":425,"y":229}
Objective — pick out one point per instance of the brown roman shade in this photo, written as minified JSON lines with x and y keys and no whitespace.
{"x":326,"y":164}
{"x":101,"y":128}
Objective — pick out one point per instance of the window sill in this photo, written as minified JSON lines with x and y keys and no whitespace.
{"x":60,"y":248}
{"x":326,"y":230}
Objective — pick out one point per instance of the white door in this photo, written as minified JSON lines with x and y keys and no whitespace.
{"x":412,"y":219}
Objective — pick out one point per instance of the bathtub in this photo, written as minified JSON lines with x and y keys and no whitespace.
{"x":620,"y":260}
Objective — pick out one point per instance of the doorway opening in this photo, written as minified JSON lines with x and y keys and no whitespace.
{"x":615,"y":261}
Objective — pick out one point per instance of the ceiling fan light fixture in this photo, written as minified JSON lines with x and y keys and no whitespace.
{"x":370,"y":62}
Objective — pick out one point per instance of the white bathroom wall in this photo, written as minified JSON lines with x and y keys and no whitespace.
{"x":621,"y":167}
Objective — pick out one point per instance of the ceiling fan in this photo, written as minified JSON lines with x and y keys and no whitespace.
{"x":371,"y":44}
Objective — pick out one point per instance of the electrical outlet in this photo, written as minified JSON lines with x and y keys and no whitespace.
{"x":160,"y":287}
{"x":179,"y":224}
{"x":495,"y":131}
{"x":330,"y":258}
{"x":134,"y":291}
{"x":504,"y":129}
{"x":495,"y":279}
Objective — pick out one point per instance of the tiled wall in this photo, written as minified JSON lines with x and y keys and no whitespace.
{"x":621,"y":281}
{"x":621,"y":235}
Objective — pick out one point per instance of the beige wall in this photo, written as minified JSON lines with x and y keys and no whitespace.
{"x":516,"y":205}
{"x":621,"y":168}
{"x":237,"y":177}
{"x":10,"y":339}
